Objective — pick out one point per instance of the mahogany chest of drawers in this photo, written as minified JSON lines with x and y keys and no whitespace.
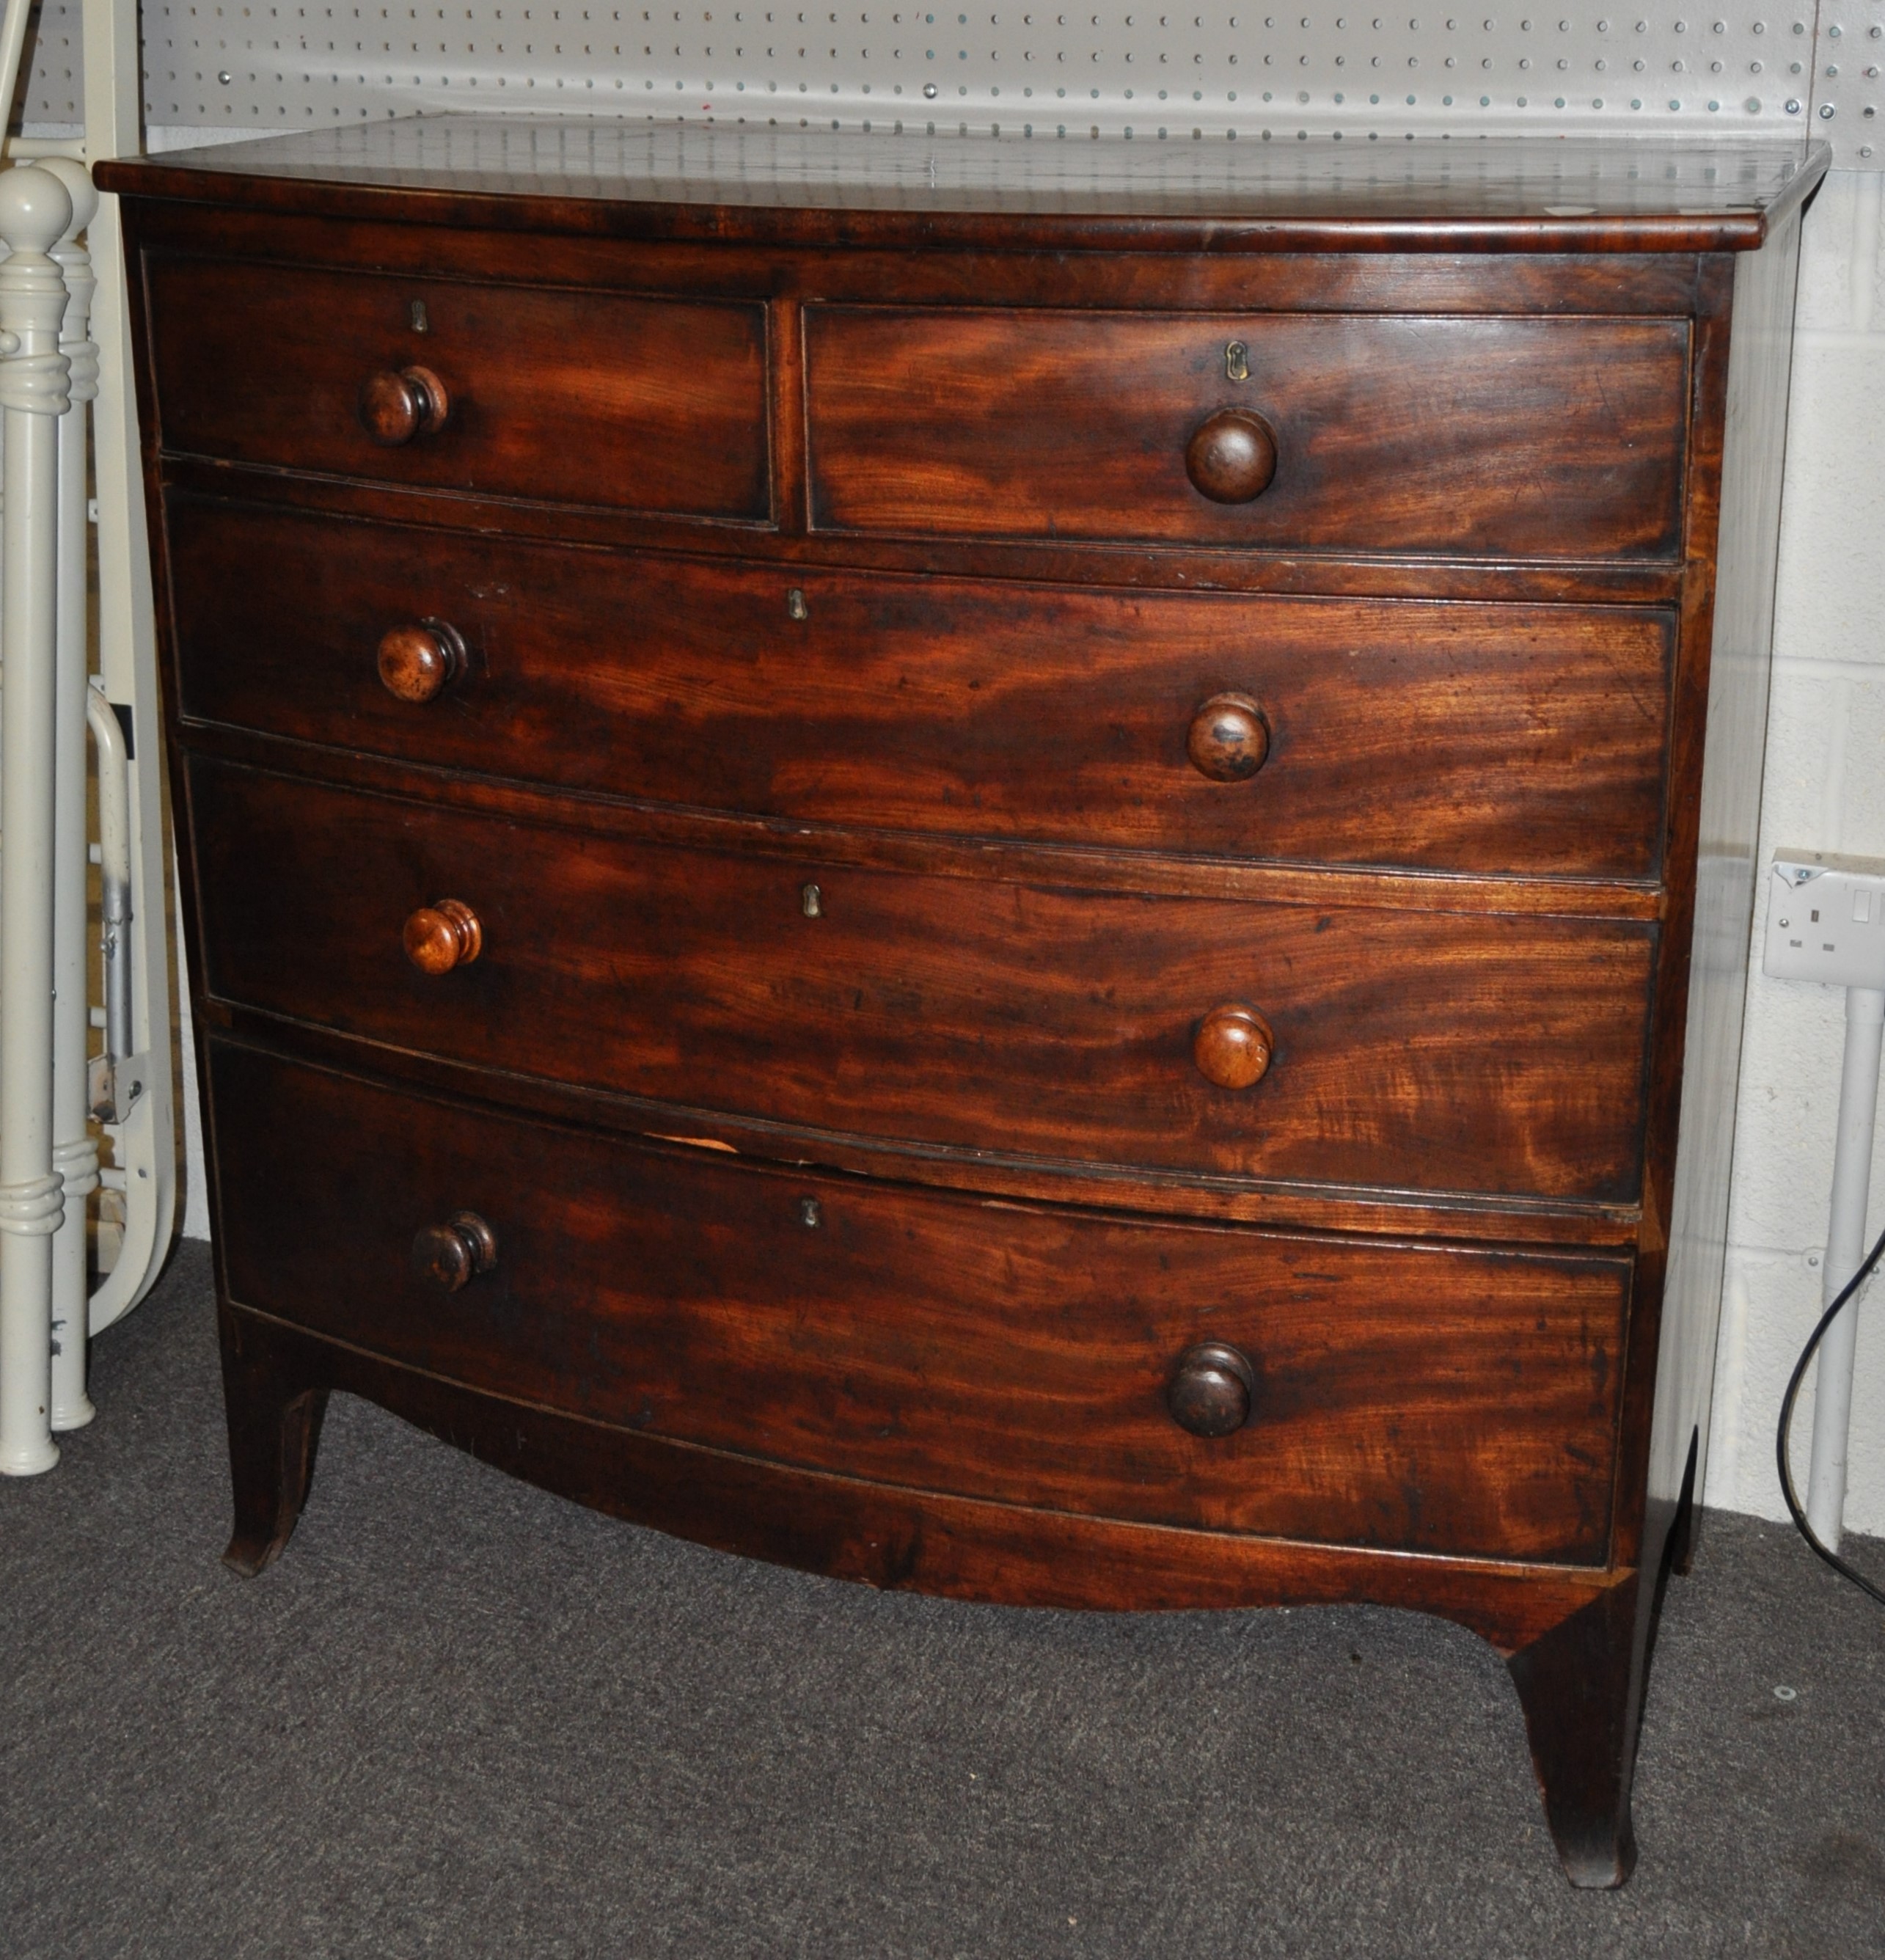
{"x":1019,"y":869}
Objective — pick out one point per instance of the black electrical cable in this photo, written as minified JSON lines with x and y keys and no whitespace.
{"x":1787,"y":1401}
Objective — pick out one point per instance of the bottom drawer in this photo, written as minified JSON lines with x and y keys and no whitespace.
{"x":1419,"y":1398}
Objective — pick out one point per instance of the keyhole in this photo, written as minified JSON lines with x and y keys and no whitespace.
{"x":421,"y":321}
{"x":796,"y":607}
{"x":1236,"y":361}
{"x":811,"y":902}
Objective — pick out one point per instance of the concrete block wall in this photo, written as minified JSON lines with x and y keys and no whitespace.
{"x":1825,"y":791}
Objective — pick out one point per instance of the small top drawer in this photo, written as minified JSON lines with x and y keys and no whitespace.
{"x":586,"y":398}
{"x":1545,"y":438}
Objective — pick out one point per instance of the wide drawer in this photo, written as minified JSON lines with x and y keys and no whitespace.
{"x":1402,"y":1396}
{"x":1478,"y":738}
{"x":1544,"y":438}
{"x":1428,"y":1051}
{"x":588,"y":398}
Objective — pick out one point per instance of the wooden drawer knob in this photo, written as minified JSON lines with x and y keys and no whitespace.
{"x":394,"y":407}
{"x":1232,"y":1046}
{"x":1229,"y":739}
{"x":418,"y":664}
{"x":446,"y":1257}
{"x":1231,"y":456}
{"x":1211,"y":1389}
{"x":442,"y":936}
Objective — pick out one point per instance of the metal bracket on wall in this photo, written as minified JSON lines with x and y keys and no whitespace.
{"x":1256,"y":71}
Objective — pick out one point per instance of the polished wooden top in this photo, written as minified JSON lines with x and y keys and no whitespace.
{"x":757,"y":182}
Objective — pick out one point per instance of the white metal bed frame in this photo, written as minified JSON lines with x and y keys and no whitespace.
{"x":65,"y":342}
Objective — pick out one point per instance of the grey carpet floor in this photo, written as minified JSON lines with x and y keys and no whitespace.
{"x":463,"y":1718}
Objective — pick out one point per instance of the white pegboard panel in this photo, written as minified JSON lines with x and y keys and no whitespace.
{"x":1491,"y":68}
{"x":1848,"y":89}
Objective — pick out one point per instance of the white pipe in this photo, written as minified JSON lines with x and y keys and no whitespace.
{"x":1845,"y":1246}
{"x":34,"y":210}
{"x":74,"y":1149}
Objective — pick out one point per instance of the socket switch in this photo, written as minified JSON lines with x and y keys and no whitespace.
{"x":1826,"y":919}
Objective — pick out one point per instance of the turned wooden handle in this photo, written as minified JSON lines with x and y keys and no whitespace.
{"x":443,"y":935}
{"x":394,"y":407}
{"x":1232,"y":1046}
{"x":446,"y":1257}
{"x":1229,"y":739}
{"x":418,"y":664}
{"x":1211,"y":1389}
{"x":1231,"y":456}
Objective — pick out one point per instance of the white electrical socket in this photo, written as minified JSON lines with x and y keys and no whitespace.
{"x":1826,"y":919}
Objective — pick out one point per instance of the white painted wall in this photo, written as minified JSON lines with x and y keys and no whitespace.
{"x":1825,"y":791}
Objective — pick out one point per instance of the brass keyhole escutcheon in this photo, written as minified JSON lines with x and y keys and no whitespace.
{"x":812,"y":901}
{"x":1236,"y":362}
{"x":796,"y":607}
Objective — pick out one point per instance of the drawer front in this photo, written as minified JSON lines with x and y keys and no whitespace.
{"x":1412,"y":1050}
{"x":1478,"y":738}
{"x":1401,"y":1396}
{"x":586,"y":398}
{"x":1546,"y":438}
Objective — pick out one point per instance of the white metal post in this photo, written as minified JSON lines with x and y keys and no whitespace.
{"x":34,"y":211}
{"x":75,"y":1150}
{"x":1845,"y":1246}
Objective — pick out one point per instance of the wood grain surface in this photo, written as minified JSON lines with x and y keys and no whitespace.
{"x":877,"y":1535}
{"x":1406,"y":1397}
{"x":586,"y":399}
{"x":1484,"y":739}
{"x":1525,"y":437}
{"x":1418,"y":1050}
